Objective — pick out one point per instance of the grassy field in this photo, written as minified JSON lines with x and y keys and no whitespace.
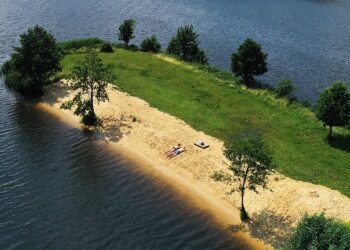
{"x":211,"y":102}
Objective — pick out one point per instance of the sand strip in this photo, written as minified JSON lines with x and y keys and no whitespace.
{"x":142,"y":134}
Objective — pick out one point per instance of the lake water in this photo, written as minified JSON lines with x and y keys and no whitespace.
{"x":307,"y":40}
{"x":59,"y":189}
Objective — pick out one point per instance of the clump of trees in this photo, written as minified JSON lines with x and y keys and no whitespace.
{"x":248,"y":61}
{"x":34,"y":63}
{"x":285,"y":89}
{"x":151,"y":44}
{"x":250,"y":163}
{"x":90,"y":79}
{"x":106,"y":47}
{"x":333,"y":106}
{"x":318,"y":232}
{"x":185,"y":45}
{"x":126,"y":31}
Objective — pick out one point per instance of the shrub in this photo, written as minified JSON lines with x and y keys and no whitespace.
{"x":318,"y":232}
{"x":106,"y":47}
{"x":133,"y":47}
{"x":185,"y":45}
{"x":150,"y":44}
{"x":285,"y":88}
{"x":81,"y":43}
{"x":34,"y":63}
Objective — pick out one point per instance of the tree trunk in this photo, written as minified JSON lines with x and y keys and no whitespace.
{"x":92,"y":110}
{"x":330,"y":131}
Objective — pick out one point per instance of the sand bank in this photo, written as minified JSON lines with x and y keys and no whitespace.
{"x":143,"y":134}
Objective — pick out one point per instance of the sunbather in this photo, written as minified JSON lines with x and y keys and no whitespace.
{"x":177,"y":152}
{"x":172,"y":150}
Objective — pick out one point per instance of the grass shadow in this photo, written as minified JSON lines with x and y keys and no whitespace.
{"x":339,"y":141}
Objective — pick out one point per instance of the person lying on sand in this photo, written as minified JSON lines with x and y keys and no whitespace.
{"x":172,"y":150}
{"x":177,"y":152}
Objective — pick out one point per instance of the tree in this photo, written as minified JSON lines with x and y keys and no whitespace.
{"x":333,"y":106}
{"x":185,"y":45}
{"x":150,"y":44}
{"x":90,"y":79}
{"x":251,"y":163}
{"x":285,"y":88}
{"x":249,"y":60}
{"x":318,"y":232}
{"x":126,"y":31}
{"x":34,"y":63}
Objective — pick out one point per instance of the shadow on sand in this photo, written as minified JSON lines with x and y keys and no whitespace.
{"x":271,"y":228}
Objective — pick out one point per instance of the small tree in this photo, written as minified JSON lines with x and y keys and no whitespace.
{"x":150,"y":44}
{"x":319,"y":232}
{"x":251,"y":163}
{"x":285,"y":88}
{"x":185,"y":45}
{"x":333,"y":106}
{"x":126,"y":31}
{"x":32,"y":64}
{"x":90,"y":78}
{"x":249,"y":60}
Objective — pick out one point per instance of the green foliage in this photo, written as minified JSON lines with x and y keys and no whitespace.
{"x":34,"y":63}
{"x":249,"y":60}
{"x":251,"y":163}
{"x":285,"y":88}
{"x":150,"y":44}
{"x":126,"y":31}
{"x":185,"y":45}
{"x":333,"y":106}
{"x":106,"y":47}
{"x":133,"y":47}
{"x":203,"y":98}
{"x":317,"y":232}
{"x":81,"y":43}
{"x":90,"y":79}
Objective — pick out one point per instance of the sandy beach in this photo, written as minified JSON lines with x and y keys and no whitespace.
{"x":142,"y":134}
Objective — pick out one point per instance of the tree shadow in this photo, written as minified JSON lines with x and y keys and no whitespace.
{"x":339,"y":141}
{"x":268,"y":226}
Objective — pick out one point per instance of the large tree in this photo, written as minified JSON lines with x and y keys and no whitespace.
{"x":126,"y":31}
{"x":90,"y":79}
{"x":333,"y":106}
{"x":185,"y":45}
{"x":249,"y":60}
{"x":34,"y":63}
{"x":250,"y":163}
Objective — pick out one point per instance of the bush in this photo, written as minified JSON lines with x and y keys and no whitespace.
{"x":133,"y":47}
{"x":81,"y":43}
{"x":106,"y":47}
{"x":285,"y":88}
{"x":150,"y":44}
{"x":318,"y":232}
{"x":34,"y":63}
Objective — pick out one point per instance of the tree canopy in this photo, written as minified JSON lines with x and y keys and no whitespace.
{"x":126,"y":31}
{"x":285,"y":88}
{"x":90,"y":79}
{"x":34,"y":63}
{"x":333,"y":106}
{"x":251,"y":163}
{"x":248,"y":61}
{"x":185,"y":45}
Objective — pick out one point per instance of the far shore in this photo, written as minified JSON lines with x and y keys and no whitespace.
{"x":142,"y":134}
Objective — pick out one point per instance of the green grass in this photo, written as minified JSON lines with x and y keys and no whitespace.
{"x":209,"y":101}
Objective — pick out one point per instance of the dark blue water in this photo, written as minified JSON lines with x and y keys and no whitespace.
{"x":61,"y":189}
{"x":307,"y":40}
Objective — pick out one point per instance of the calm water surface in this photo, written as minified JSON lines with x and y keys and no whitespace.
{"x":307,"y":40}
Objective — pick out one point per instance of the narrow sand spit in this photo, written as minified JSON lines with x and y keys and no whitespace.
{"x":131,"y":125}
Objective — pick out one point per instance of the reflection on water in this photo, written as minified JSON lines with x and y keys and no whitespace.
{"x":59,"y":189}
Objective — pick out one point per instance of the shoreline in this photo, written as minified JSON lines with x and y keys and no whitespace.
{"x":153,"y":132}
